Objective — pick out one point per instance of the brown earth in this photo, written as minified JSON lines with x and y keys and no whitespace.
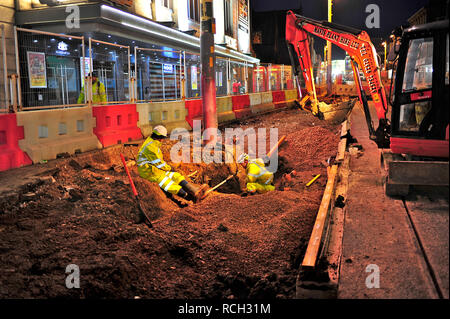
{"x":80,"y":210}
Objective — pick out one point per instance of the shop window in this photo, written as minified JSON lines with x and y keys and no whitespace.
{"x":119,"y":120}
{"x":177,"y":114}
{"x":80,"y":126}
{"x":150,"y":116}
{"x":108,"y":121}
{"x":164,"y":115}
{"x":228,"y":18}
{"x":167,"y":3}
{"x":43,"y":131}
{"x":130,"y":119}
{"x":194,"y":10}
{"x":62,"y":129}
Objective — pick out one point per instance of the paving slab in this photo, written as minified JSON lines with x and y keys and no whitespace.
{"x":377,"y":233}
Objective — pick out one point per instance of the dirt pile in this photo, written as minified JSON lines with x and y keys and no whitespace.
{"x":81,"y":211}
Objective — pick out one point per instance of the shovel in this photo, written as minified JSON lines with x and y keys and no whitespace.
{"x":217,"y":186}
{"x":136,"y":196}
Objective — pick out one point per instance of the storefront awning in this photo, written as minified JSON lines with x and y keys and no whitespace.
{"x":107,"y":19}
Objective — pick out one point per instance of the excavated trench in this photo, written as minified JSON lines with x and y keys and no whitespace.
{"x":80,"y":210}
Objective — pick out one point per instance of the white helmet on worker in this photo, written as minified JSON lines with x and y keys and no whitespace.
{"x":160,"y":130}
{"x":243,"y":157}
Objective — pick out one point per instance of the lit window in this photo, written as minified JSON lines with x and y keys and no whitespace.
{"x":167,"y":3}
{"x":194,"y":10}
{"x":228,"y":18}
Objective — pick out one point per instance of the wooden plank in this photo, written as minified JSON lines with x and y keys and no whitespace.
{"x":341,"y":150}
{"x":316,"y":236}
{"x":345,"y":128}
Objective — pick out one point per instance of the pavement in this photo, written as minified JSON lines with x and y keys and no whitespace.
{"x":403,"y":242}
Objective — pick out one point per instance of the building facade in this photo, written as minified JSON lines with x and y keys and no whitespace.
{"x":152,"y":44}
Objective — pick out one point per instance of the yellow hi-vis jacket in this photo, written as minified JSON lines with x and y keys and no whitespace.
{"x":98,"y":93}
{"x":259,"y":179}
{"x":151,"y":166}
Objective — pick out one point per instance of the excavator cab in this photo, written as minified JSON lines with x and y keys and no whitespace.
{"x":420,"y":112}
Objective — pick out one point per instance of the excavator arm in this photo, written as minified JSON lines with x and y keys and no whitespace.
{"x":362,"y":53}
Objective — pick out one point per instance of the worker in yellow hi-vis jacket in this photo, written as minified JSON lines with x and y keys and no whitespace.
{"x":259,"y":179}
{"x":151,"y":166}
{"x":98,"y":91}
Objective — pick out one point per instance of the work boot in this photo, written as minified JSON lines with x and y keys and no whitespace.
{"x":193,"y":190}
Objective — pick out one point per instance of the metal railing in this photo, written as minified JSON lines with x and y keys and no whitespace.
{"x":47,"y":67}
{"x":53,"y":71}
{"x":110,"y":64}
{"x":159,"y":75}
{"x":4,"y":94}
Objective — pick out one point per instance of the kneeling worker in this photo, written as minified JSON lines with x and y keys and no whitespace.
{"x":152,"y":167}
{"x":259,"y":179}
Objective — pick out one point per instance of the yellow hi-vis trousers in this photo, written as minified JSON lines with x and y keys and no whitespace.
{"x":168,"y":181}
{"x":259,"y":179}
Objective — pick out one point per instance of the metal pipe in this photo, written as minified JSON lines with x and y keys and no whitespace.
{"x":49,"y":33}
{"x":184,"y":77}
{"x":163,"y":84}
{"x":207,"y":55}
{"x":135,"y":74}
{"x":91,"y":62}
{"x":130,"y":97}
{"x":19,"y":88}
{"x":84,"y":68}
{"x":329,"y":66}
{"x":5,"y":66}
{"x":67,"y":87}
{"x":62,"y":86}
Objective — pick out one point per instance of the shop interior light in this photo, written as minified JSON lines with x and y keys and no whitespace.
{"x":177,"y":36}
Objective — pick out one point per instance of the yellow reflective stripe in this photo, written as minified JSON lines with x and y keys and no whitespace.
{"x":170,"y":174}
{"x":163,"y":181}
{"x":168,"y":185}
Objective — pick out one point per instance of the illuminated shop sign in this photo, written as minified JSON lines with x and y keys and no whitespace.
{"x":63,"y":48}
{"x":168,"y":68}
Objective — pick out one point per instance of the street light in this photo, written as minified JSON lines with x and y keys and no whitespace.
{"x":330,"y":14}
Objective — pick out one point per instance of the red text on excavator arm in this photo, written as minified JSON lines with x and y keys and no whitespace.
{"x":362,"y":53}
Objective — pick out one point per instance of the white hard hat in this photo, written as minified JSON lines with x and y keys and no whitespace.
{"x":160,"y":130}
{"x":243,"y":157}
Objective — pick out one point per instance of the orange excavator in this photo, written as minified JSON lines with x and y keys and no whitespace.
{"x":417,"y":132}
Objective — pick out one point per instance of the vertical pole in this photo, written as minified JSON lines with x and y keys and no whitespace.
{"x":89,"y":80}
{"x":183,"y":94}
{"x":181,"y":78}
{"x":5,"y":65}
{"x":83,"y":68}
{"x":135,"y":75}
{"x":163,"y":83}
{"x":19,"y":88}
{"x":207,"y":57}
{"x":130,"y":85}
{"x":329,"y":68}
{"x":228,"y":77}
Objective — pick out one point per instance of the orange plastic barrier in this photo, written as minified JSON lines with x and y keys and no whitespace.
{"x":194,"y":110}
{"x":279,"y":99}
{"x":116,"y":124}
{"x":11,"y":156}
{"x":241,"y":106}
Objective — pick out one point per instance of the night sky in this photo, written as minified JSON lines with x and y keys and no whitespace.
{"x":348,"y":12}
